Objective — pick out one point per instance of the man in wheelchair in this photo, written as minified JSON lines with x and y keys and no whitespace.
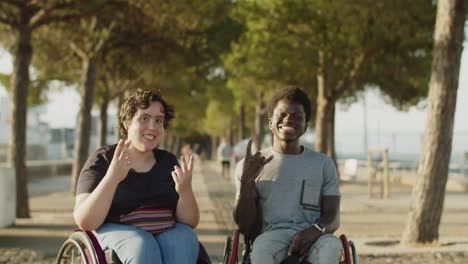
{"x":288,"y":196}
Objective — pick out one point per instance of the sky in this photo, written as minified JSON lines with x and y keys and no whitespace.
{"x":398,"y":130}
{"x":386,"y":126}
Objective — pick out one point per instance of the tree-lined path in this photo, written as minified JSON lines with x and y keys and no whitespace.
{"x":375,"y":225}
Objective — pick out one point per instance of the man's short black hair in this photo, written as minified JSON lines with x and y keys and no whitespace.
{"x":293,"y":94}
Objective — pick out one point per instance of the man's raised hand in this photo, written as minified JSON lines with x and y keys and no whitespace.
{"x":253,"y":164}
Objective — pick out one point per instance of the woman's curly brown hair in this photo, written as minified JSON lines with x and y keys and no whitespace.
{"x":142,"y":99}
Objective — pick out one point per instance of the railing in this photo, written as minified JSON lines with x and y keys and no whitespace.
{"x":7,"y":196}
{"x":46,"y":168}
{"x":404,"y":172}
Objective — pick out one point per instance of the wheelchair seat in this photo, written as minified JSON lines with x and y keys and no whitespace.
{"x":232,"y":253}
{"x":83,"y":247}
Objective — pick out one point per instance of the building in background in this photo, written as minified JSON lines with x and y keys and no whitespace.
{"x":4,"y":126}
{"x":45,"y":142}
{"x":61,"y":142}
{"x":37,"y":134}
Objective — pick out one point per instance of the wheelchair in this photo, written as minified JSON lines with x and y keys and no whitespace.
{"x":232,"y":255}
{"x":82,"y":247}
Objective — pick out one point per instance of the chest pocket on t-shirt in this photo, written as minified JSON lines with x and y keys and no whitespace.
{"x":310,"y":195}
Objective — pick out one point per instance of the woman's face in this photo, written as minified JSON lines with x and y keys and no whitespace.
{"x":146,"y":128}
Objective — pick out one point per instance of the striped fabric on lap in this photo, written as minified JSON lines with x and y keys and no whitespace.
{"x":151,"y":218}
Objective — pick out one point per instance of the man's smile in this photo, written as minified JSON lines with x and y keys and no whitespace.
{"x":286,"y":128}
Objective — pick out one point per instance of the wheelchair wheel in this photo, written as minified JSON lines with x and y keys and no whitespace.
{"x":246,"y":251}
{"x":346,"y":251}
{"x":234,"y":247}
{"x":227,"y":250}
{"x":353,"y":252}
{"x":78,"y":248}
{"x":231,"y":248}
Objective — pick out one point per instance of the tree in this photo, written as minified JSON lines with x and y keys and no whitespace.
{"x":96,"y":42}
{"x":36,"y":89}
{"x":88,"y":49}
{"x":202,"y":31}
{"x":113,"y":80}
{"x":429,"y":190}
{"x":21,"y":18}
{"x":335,"y":47}
{"x":253,"y":68}
{"x":78,"y":46}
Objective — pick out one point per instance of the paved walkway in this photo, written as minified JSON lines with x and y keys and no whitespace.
{"x":375,"y":225}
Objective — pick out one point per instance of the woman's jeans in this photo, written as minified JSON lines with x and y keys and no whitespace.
{"x":134,"y":245}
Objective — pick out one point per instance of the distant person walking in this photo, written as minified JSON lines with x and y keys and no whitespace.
{"x":186,"y":150}
{"x":197,"y":149}
{"x":224,"y":155}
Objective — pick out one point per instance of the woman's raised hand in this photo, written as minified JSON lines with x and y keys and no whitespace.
{"x":183,"y":175}
{"x":121,"y":162}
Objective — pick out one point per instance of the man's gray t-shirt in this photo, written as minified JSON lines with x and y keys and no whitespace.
{"x":290,"y":188}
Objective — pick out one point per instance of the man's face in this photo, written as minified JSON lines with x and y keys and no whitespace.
{"x":288,"y":121}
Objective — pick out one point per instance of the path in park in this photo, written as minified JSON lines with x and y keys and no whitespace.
{"x":375,"y":225}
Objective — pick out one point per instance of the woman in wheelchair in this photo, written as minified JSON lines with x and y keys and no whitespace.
{"x":137,"y":198}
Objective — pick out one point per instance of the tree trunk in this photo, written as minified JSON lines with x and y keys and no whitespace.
{"x":22,"y":54}
{"x":324,"y":126}
{"x":231,"y":132}
{"x":429,"y":190}
{"x":323,"y":116}
{"x":214,"y":146}
{"x":120,"y":101}
{"x":331,"y":130}
{"x":242,"y":134}
{"x":163,"y":143}
{"x":235,"y":134}
{"x":331,"y":137}
{"x":102,"y":139}
{"x":259,"y":123}
{"x":169,"y":140}
{"x":81,"y":148}
{"x":176,"y":145}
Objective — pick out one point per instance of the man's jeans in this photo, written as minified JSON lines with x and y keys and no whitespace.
{"x":134,"y":245}
{"x":272,"y":247}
